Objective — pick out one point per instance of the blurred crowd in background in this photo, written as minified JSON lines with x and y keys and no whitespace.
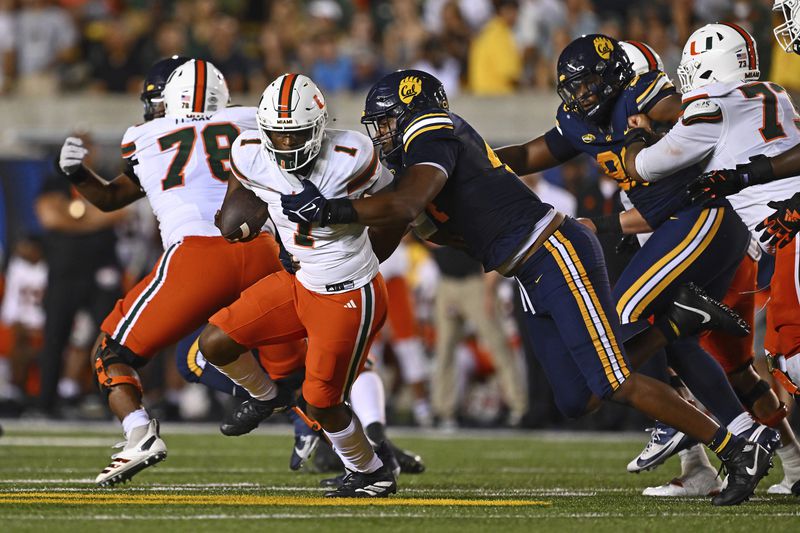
{"x":484,"y":47}
{"x":66,"y":262}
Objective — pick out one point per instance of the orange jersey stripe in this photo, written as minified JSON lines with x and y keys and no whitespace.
{"x":362,"y":178}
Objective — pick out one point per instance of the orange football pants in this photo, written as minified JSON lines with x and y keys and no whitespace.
{"x":733,"y":353}
{"x":401,"y":311}
{"x":783,"y":307}
{"x":340,"y":329}
{"x":192,"y":280}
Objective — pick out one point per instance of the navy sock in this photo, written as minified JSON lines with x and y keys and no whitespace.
{"x":723,"y":443}
{"x":705,"y":379}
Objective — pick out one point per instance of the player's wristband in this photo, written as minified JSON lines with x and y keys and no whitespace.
{"x":607,"y":224}
{"x":338,"y":211}
{"x":757,"y":171}
{"x":79,"y":176}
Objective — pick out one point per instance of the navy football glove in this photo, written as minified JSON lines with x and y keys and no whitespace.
{"x":306,"y":206}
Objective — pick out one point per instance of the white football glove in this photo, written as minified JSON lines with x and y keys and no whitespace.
{"x":72,"y":154}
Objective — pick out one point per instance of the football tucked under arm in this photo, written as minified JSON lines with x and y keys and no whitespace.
{"x":242,"y":214}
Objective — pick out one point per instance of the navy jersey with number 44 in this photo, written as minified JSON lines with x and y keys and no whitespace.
{"x":483,"y":200}
{"x":573,"y":135}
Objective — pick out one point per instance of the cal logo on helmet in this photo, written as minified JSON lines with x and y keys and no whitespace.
{"x":410,"y":86}
{"x":603,"y":47}
{"x":588,"y":138}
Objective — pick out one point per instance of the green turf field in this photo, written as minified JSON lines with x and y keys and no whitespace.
{"x":478,"y":481}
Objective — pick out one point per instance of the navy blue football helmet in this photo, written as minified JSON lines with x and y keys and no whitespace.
{"x":154,"y":83}
{"x":399,"y":96}
{"x":592,"y":71}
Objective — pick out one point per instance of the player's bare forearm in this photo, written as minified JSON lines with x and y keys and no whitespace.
{"x":667,"y":110}
{"x":633,"y":222}
{"x":532,"y":156}
{"x":53,"y":211}
{"x":630,"y":161}
{"x":416,"y":187}
{"x":384,"y":240}
{"x":786,"y":164}
{"x":109,"y":196}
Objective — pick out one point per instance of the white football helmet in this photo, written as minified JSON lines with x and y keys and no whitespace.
{"x":195,"y":88}
{"x":643,"y":57}
{"x":721,"y":52}
{"x":292,"y":103}
{"x":788,"y":33}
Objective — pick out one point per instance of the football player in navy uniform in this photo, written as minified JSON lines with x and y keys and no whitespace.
{"x":453,"y":188}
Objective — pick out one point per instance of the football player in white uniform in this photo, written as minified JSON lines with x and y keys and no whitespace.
{"x":337,"y":299}
{"x":729,"y":118}
{"x":180,"y":162}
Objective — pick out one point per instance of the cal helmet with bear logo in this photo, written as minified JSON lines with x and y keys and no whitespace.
{"x":152,"y":96}
{"x":592,"y":71}
{"x":195,"y":88}
{"x":292,"y":104}
{"x":399,"y":95}
{"x":722,"y":52}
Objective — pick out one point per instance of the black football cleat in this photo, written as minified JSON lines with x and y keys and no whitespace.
{"x":250,"y":413}
{"x":796,"y":488}
{"x":693,"y":311}
{"x":748,"y":464}
{"x":410,"y":463}
{"x":387,"y":452}
{"x":377,"y":484}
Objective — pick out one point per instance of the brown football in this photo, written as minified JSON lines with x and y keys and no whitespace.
{"x":241,"y":216}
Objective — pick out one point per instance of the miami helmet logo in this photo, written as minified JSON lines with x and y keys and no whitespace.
{"x":410,"y":86}
{"x":603,"y":47}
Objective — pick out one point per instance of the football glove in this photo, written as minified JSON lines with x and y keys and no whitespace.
{"x":72,"y":155}
{"x":780,"y":228}
{"x":722,"y":183}
{"x":310,"y":206}
{"x":306,"y":206}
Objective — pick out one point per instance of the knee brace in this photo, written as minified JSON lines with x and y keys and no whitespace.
{"x":750,"y":398}
{"x":106,"y":355}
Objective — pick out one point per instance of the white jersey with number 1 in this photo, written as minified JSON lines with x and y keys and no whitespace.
{"x":335,"y":258}
{"x":183,"y":164}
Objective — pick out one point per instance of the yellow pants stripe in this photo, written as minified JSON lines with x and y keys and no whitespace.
{"x":587,"y":319}
{"x":616,"y":352}
{"x":677,"y":271}
{"x":634,"y":292}
{"x":191,"y":358}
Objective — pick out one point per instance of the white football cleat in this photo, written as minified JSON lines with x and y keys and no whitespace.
{"x":784,"y":487}
{"x":702,"y":481}
{"x":143,"y":448}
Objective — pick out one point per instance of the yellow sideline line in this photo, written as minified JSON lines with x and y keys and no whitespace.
{"x":246,"y":499}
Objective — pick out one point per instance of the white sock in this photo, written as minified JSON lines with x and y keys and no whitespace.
{"x":354,"y":449}
{"x":790,"y":461}
{"x":367,"y":398}
{"x":741,"y":423}
{"x":692,"y":459}
{"x":68,"y":388}
{"x":414,"y":364}
{"x":248,"y":374}
{"x":134,"y":420}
